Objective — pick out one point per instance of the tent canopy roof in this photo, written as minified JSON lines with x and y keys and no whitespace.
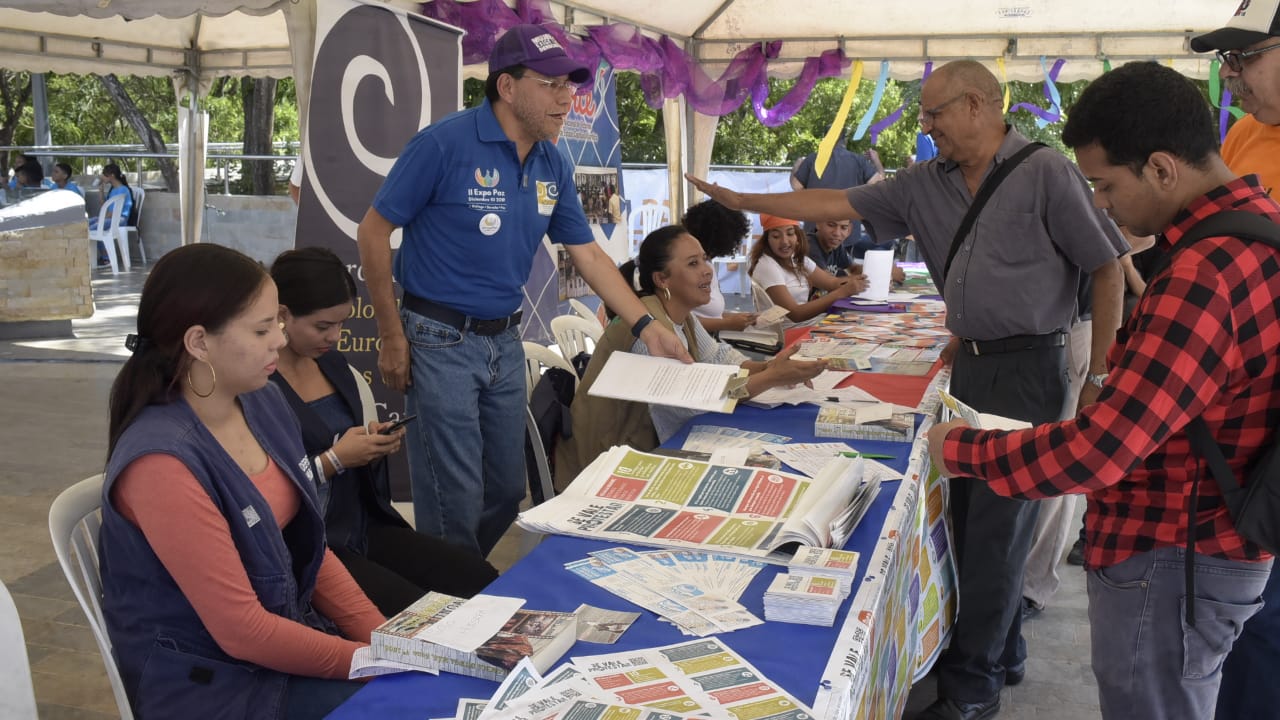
{"x":236,"y":37}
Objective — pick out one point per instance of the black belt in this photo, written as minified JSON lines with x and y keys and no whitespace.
{"x":1014,"y":343}
{"x":459,"y":321}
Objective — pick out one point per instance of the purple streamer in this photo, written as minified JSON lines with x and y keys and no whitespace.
{"x":667,"y":71}
{"x":1051,"y":114}
{"x":1224,"y":112}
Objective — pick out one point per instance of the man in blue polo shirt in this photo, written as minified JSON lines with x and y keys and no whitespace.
{"x":475,"y":193}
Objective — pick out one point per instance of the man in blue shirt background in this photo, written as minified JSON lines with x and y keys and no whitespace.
{"x":475,"y":193}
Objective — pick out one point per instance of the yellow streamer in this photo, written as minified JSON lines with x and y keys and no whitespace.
{"x":1004,"y":80}
{"x":828,"y":144}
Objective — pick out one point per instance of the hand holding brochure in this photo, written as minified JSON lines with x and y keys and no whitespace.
{"x":666,"y":381}
{"x":982,"y":421}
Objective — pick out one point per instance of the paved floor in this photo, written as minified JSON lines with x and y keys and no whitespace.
{"x":53,"y":401}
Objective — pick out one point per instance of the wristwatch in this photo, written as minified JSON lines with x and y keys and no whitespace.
{"x":1097,"y":380}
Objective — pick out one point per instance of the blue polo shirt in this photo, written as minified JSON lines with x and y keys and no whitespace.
{"x":473,"y":217}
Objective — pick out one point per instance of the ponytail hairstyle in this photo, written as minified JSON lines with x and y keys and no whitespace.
{"x":199,"y":284}
{"x":654,"y":256}
{"x":113,"y":170}
{"x":312,"y":278}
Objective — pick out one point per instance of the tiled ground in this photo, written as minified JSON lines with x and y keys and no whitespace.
{"x":53,"y":400}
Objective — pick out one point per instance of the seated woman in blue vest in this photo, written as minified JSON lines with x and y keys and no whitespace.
{"x":219,"y":595}
{"x":672,"y":276}
{"x":779,"y":262}
{"x":393,"y":564}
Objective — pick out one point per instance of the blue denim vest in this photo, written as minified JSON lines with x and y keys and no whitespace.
{"x":170,"y":665}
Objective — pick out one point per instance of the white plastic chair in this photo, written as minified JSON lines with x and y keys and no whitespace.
{"x":536,"y":358}
{"x":581,"y":309}
{"x":644,"y":221}
{"x":17,"y":695}
{"x":572,"y":332}
{"x":74,"y":522}
{"x":109,"y":236}
{"x":139,"y":195}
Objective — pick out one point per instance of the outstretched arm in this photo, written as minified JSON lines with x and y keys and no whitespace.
{"x":812,"y":205}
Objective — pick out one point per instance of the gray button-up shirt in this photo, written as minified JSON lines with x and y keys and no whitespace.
{"x":1018,"y":271}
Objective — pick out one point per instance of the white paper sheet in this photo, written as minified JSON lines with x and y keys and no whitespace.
{"x":877,"y":265}
{"x":475,"y":621}
{"x":665,"y":381}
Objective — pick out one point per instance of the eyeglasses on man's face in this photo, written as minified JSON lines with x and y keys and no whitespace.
{"x":557,"y":85}
{"x":1234,"y":59}
{"x":927,"y":116}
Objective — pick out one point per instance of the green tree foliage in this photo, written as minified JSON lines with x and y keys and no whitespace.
{"x":80,"y":113}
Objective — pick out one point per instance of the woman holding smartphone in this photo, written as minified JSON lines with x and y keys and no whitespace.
{"x":219,"y":595}
{"x":393,"y":564}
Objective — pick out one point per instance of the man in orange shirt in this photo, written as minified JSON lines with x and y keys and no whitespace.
{"x":1251,"y":71}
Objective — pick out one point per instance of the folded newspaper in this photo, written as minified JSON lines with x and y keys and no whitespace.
{"x":647,"y":499}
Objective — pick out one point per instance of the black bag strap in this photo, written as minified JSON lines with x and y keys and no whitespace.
{"x":985,"y":191}
{"x":1247,"y":226}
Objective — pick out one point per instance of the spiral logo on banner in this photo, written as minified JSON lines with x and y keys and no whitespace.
{"x":379,"y":77}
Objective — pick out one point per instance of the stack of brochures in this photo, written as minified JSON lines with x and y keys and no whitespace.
{"x":872,"y":422}
{"x":695,"y":591}
{"x":803,"y":599}
{"x":828,"y":562}
{"x":485,"y":637}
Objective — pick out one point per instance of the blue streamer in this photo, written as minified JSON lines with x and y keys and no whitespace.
{"x":1055,"y":99}
{"x":881,"y":81}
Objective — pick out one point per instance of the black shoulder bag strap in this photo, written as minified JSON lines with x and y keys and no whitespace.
{"x":1247,"y":226}
{"x":985,"y":191}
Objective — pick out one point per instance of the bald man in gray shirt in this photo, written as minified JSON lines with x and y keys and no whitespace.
{"x":1011,"y":298}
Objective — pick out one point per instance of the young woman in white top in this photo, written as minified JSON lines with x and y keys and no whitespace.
{"x":780,"y":264}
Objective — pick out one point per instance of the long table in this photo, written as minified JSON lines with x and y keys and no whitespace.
{"x":862,"y":667}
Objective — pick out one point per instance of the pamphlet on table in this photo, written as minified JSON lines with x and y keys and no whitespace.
{"x":666,"y":381}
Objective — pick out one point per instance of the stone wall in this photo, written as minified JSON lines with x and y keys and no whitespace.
{"x":259,"y":226}
{"x":45,"y":273}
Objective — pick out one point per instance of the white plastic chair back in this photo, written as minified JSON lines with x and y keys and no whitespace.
{"x":581,"y":310}
{"x":109,"y":237}
{"x":139,"y":195}
{"x":17,"y":695}
{"x":537,"y":357}
{"x":644,"y":221}
{"x":74,"y":521}
{"x":572,"y":332}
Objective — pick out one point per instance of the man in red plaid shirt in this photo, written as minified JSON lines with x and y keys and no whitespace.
{"x":1203,"y":342}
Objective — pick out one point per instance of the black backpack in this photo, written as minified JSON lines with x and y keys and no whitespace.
{"x":1254,"y":507}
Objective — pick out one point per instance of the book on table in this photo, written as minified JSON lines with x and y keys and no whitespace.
{"x":416,"y":636}
{"x":649,"y":499}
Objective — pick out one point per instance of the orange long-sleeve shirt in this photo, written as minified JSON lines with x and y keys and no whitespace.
{"x":159,"y":495}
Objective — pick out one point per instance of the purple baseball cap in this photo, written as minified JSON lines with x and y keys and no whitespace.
{"x":535,"y":48}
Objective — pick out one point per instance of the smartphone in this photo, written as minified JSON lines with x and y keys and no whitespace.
{"x":399,"y":424}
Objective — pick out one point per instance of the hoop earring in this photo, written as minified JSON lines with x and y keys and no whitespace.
{"x":668,"y":293}
{"x":192,"y":385}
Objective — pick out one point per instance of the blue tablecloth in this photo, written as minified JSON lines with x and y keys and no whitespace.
{"x":794,"y":656}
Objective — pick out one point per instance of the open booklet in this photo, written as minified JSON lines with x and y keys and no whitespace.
{"x":666,"y":381}
{"x":635,"y":497}
{"x":980,"y":420}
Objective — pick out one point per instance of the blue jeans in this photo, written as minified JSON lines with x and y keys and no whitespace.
{"x":466,"y":451}
{"x":311,"y":698}
{"x":1250,"y":687}
{"x":1148,"y":662}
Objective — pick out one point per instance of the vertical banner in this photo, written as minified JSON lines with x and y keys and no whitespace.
{"x":591,"y":141}
{"x":380,"y":75}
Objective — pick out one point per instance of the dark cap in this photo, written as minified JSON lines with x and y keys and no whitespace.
{"x":1254,"y":21}
{"x":535,"y":48}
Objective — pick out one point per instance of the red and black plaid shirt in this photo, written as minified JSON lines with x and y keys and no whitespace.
{"x":1204,"y":341}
